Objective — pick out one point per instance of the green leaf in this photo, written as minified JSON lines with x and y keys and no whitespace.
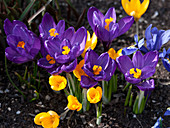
{"x":27,"y":9}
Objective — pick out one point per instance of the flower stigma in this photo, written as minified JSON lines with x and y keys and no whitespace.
{"x":97,"y":69}
{"x":50,"y":59}
{"x":53,"y":32}
{"x":66,"y":50}
{"x":21,"y":44}
{"x":137,"y":73}
{"x":108,"y":21}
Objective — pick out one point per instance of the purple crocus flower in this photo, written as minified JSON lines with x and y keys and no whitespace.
{"x":97,"y":68}
{"x":140,"y":68}
{"x":105,"y":27}
{"x":165,"y":55}
{"x":49,"y":29}
{"x":63,"y":51}
{"x":23,"y":44}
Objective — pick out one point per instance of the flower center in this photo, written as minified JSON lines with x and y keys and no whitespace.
{"x":137,"y":73}
{"x":108,"y":21}
{"x":168,"y":60}
{"x":53,"y":32}
{"x":21,"y":44}
{"x":50,"y":59}
{"x":97,"y":69}
{"x":66,"y":50}
{"x":132,"y":13}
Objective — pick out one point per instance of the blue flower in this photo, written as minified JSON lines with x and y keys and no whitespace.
{"x":165,"y":58}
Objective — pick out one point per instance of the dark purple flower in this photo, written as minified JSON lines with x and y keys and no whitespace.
{"x":63,"y":51}
{"x":48,"y":29}
{"x":105,"y":27}
{"x":23,"y":44}
{"x":165,"y":56}
{"x":140,"y":68}
{"x":97,"y":68}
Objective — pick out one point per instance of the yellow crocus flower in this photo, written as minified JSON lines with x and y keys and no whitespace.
{"x":48,"y":119}
{"x":135,"y":8}
{"x":73,"y":103}
{"x":113,"y":54}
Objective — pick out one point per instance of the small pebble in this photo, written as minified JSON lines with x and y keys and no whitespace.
{"x":134,"y":116}
{"x":9,"y":109}
{"x":1,"y":92}
{"x":47,"y":97}
{"x":153,"y":101}
{"x":18,"y":112}
{"x":6,"y":91}
{"x":40,"y":103}
{"x":37,"y":111}
{"x":155,"y":15}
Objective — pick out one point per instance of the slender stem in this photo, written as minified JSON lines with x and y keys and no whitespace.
{"x":70,"y":80}
{"x":6,"y":69}
{"x":137,"y":28}
{"x":70,"y":118}
{"x":84,"y":99}
{"x":141,"y":95}
{"x":99,"y":113}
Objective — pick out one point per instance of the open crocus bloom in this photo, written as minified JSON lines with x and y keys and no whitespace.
{"x":140,"y":68}
{"x":23,"y":44}
{"x":48,"y":119}
{"x":105,"y":27}
{"x":48,"y":29}
{"x":97,"y":68}
{"x":135,"y":8}
{"x":94,"y":95}
{"x":73,"y":103}
{"x":63,"y":52}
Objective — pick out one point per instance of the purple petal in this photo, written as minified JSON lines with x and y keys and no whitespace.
{"x":52,"y":46}
{"x":60,"y":27}
{"x":111,"y":13}
{"x":129,"y":50}
{"x":87,"y":82}
{"x":69,"y":67}
{"x":8,"y":26}
{"x":138,"y":60}
{"x":147,"y":85}
{"x":148,"y":35}
{"x":124,"y":63}
{"x":44,"y":63}
{"x":125,"y":24}
{"x":13,"y":40}
{"x":68,"y":34}
{"x":90,"y":57}
{"x":151,"y":58}
{"x":80,"y":37}
{"x":129,"y":78}
{"x":13,"y":56}
{"x":147,"y":72}
{"x":62,"y":58}
{"x":103,"y":60}
{"x":90,"y":16}
{"x":35,"y":47}
{"x":46,"y":24}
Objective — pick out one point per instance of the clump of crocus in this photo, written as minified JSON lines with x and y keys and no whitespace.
{"x":97,"y":68}
{"x":135,"y":8}
{"x":78,"y":71}
{"x":94,"y":95}
{"x":140,"y":68}
{"x":113,"y":54}
{"x":90,"y":43}
{"x":24,"y":45}
{"x":73,"y":103}
{"x":63,"y":52}
{"x":48,"y":119}
{"x":57,"y":82}
{"x":48,"y":29}
{"x":105,"y":27}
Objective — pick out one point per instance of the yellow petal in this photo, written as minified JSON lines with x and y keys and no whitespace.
{"x":88,"y":36}
{"x":37,"y":118}
{"x":144,"y":6}
{"x":78,"y":71}
{"x":94,"y":41}
{"x":73,"y":103}
{"x":99,"y":89}
{"x":126,"y":6}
